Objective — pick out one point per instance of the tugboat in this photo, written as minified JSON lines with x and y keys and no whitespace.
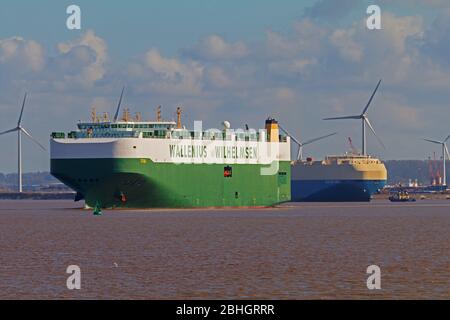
{"x":401,"y":196}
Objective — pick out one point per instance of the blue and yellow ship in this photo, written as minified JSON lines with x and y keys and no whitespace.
{"x":345,"y":178}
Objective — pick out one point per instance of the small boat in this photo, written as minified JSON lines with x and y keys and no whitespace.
{"x":401,"y":196}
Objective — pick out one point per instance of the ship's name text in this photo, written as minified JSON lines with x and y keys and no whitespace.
{"x":221,"y":152}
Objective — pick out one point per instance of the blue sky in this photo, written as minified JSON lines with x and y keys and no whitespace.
{"x":299,"y":61}
{"x":168,"y":25}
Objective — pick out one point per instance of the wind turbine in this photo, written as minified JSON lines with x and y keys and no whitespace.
{"x":444,"y":153}
{"x":302,"y":144}
{"x":365,"y":121}
{"x":21,"y":130}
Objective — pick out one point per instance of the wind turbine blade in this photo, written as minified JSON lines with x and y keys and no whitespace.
{"x":33,"y":139}
{"x":433,"y":141}
{"x":448,"y":153}
{"x":21,"y":111}
{"x":116,"y":116}
{"x":446,"y":139}
{"x":8,"y":131}
{"x":371,"y":98}
{"x":319,"y":138}
{"x":293,"y":139}
{"x":374,"y":133}
{"x":299,"y":153}
{"x":342,"y":118}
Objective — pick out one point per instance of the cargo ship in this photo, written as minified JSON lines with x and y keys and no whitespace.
{"x":350,"y":177}
{"x":344,"y":178}
{"x":130,"y":163}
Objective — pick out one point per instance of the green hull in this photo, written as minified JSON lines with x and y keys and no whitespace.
{"x":137,"y":183}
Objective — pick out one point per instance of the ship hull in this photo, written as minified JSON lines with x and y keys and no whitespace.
{"x":335,"y":190}
{"x":138,"y":183}
{"x":338,"y":179}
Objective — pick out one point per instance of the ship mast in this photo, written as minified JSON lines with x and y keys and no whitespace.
{"x":138,"y":117}
{"x":93,"y":115}
{"x":179,"y":112}
{"x":158,"y":114}
{"x":126,"y":115}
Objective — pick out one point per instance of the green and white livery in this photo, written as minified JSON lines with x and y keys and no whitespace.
{"x":145,"y":164}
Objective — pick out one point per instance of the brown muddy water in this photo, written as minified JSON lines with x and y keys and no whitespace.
{"x":298,"y":251}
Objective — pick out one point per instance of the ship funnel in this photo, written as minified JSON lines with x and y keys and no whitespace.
{"x":273,"y":132}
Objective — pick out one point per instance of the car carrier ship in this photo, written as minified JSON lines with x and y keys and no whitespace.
{"x":349,"y":177}
{"x":130,"y":163}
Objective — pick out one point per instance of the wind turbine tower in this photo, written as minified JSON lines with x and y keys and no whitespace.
{"x":364,"y":120}
{"x":445,"y":153}
{"x":21,"y":130}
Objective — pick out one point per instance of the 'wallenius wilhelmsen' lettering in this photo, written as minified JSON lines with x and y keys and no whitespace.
{"x":187,"y":151}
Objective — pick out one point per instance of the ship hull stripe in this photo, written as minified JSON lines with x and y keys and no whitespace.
{"x":335,"y":190}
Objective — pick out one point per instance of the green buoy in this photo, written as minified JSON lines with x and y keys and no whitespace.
{"x":97,"y":210}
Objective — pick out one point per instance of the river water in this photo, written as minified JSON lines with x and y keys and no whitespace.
{"x":296,"y":251}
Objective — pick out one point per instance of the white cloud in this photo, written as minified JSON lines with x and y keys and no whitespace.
{"x":346,"y":45}
{"x":218,"y":78}
{"x":167,"y":75}
{"x":300,"y":66}
{"x":91,"y":51}
{"x":215,"y":47}
{"x":21,"y":54}
{"x":307,"y":39}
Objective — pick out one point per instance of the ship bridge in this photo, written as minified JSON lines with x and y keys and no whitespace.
{"x":129,"y":127}
{"x":159,"y":130}
{"x":351,"y":159}
{"x":122,"y":129}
